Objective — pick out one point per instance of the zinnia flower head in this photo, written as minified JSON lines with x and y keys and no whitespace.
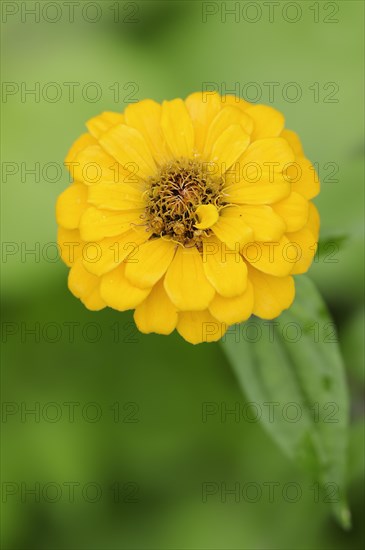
{"x":195,"y":213}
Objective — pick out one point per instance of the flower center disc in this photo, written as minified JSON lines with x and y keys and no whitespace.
{"x":175,"y":193}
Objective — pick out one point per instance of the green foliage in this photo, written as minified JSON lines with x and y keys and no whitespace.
{"x":295,"y":364}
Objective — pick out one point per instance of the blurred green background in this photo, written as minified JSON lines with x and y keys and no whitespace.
{"x":136,"y":449}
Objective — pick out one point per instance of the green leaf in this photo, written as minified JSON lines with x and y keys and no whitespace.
{"x":292,"y":371}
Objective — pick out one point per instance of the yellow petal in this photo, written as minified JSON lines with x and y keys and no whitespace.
{"x":259,"y":176}
{"x":227,"y":117}
{"x":224,"y":269}
{"x":185,"y":281}
{"x":93,"y":166}
{"x":265,"y":158}
{"x":70,"y":245}
{"x":150,"y":262}
{"x":293,"y":139}
{"x":85,"y":140}
{"x":268,"y":193}
{"x":271,"y":294}
{"x":303,"y":178}
{"x":177,"y":127}
{"x":130,"y":149}
{"x":236,"y":101}
{"x":231,"y":229}
{"x":202,"y":108}
{"x":304,"y":247}
{"x":264,"y":222}
{"x":156,"y":313}
{"x":268,"y":122}
{"x":118,"y":292}
{"x":95,"y":224}
{"x":85,"y":286}
{"x":103,"y":256}
{"x":233,"y":310}
{"x":200,"y":326}
{"x":294,"y":210}
{"x":145,"y":116}
{"x":115,"y":196}
{"x":303,"y":243}
{"x":70,"y":206}
{"x":270,"y":257}
{"x":313,"y":220}
{"x":229,"y":147}
{"x":207,"y":215}
{"x":100,"y":124}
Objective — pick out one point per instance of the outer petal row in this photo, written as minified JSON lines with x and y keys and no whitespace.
{"x":264,"y":295}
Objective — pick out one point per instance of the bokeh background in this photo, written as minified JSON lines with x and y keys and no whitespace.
{"x":135,"y":450}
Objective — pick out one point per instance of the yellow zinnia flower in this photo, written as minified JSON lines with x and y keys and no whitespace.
{"x":194,"y":213}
